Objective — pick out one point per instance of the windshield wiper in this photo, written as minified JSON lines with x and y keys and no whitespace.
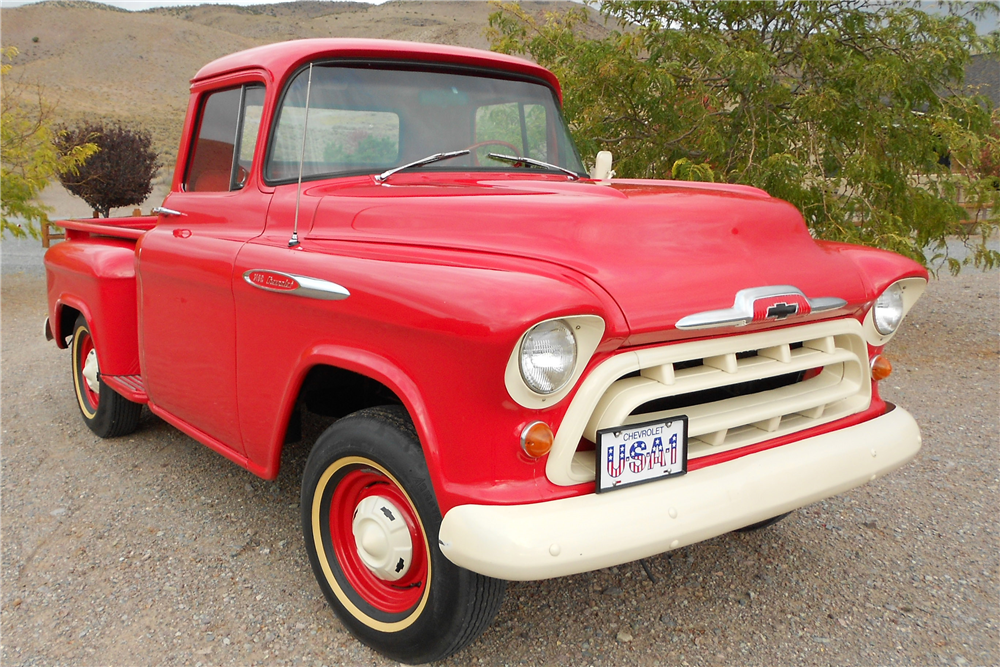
{"x":537,"y":163}
{"x":437,"y":157}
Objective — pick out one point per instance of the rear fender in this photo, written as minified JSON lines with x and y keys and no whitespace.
{"x":97,"y":279}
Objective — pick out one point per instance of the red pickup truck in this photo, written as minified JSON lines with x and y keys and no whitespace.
{"x":535,"y":372}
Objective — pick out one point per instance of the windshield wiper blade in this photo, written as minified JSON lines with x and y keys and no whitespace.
{"x":538,"y":163}
{"x":437,"y":157}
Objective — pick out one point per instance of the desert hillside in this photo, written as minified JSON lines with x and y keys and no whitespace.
{"x":95,"y":60}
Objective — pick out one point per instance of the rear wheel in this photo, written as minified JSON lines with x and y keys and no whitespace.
{"x":106,"y":412}
{"x":371,"y":524}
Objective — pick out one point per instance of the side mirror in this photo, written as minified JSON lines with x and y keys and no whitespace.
{"x":602,"y":170}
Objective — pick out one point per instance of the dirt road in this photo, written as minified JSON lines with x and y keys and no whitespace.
{"x":153,"y":550}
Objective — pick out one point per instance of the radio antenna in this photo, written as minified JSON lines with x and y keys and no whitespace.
{"x":294,"y":241}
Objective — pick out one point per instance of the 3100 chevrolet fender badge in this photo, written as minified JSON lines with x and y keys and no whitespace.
{"x":289,"y":283}
{"x":759,"y":304}
{"x":271,"y":280}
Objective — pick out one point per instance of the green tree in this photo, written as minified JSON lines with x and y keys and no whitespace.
{"x":850,"y":112}
{"x":28,"y":158}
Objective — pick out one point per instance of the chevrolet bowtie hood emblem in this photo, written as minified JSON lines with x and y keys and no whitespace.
{"x":761,"y":304}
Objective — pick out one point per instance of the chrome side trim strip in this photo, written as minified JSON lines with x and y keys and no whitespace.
{"x":742,"y":312}
{"x":290,"y":283}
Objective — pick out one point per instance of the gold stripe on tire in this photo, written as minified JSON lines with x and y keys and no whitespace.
{"x":77,"y":380}
{"x":324,"y":562}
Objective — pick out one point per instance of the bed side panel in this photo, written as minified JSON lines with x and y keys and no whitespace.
{"x":96,"y":276}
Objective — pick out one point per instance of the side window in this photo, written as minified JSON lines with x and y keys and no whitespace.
{"x":228,"y":129}
{"x":522,"y":126}
{"x":253,"y":110}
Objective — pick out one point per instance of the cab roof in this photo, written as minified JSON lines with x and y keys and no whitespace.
{"x":282,"y":58}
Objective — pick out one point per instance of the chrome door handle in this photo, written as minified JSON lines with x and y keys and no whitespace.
{"x":159,"y":210}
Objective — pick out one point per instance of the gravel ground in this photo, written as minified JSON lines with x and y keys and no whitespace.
{"x":153,"y":550}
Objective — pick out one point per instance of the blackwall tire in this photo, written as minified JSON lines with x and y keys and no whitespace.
{"x":371,"y":522}
{"x":106,"y":412}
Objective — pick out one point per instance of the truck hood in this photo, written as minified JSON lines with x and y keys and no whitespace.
{"x":662,"y":249}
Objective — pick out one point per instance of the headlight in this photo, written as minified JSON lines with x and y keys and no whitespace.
{"x":888,"y":311}
{"x":548,"y":356}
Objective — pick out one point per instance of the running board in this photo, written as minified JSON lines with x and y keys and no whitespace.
{"x":131,"y":387}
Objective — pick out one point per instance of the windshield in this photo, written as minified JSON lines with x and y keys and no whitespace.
{"x":368,"y":120}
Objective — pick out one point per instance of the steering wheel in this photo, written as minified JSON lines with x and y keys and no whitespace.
{"x":490,"y":142}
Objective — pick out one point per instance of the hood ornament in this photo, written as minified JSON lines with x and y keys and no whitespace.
{"x":761,"y":304}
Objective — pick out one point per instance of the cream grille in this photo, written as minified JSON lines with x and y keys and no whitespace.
{"x":754,"y":387}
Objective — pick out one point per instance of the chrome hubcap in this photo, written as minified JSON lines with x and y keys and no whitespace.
{"x":382,"y":538}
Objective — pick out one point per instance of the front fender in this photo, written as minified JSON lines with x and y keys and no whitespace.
{"x":435,"y":327}
{"x":878,"y":268}
{"x":362,"y":362}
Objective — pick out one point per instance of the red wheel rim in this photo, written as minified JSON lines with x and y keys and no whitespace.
{"x":85,"y":344}
{"x":391,"y":597}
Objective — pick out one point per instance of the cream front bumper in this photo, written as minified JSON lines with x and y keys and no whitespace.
{"x":562,"y":537}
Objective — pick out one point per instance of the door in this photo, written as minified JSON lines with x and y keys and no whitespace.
{"x":185,"y":267}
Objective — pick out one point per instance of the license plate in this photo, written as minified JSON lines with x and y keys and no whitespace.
{"x":628,"y":455}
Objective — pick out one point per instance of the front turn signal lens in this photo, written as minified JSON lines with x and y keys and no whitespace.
{"x":536,"y":439}
{"x":881,"y":368}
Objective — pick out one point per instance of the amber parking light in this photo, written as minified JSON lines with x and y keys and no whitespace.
{"x":881,"y":367}
{"x":536,"y":439}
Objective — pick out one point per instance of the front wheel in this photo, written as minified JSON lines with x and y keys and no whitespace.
{"x":106,"y":412}
{"x":371,"y":524}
